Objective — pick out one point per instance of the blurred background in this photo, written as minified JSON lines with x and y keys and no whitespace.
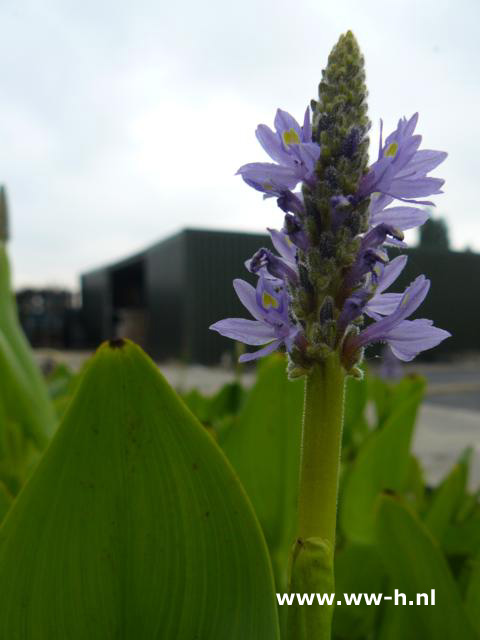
{"x":123,"y":126}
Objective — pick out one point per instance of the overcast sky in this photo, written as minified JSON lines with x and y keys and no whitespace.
{"x":122,"y":122}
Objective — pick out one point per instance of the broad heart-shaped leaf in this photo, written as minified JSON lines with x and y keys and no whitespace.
{"x":416,"y":565}
{"x":382,"y":463}
{"x":263,"y":444}
{"x":133,"y":525}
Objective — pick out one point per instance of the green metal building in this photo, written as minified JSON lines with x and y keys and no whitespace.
{"x":166,"y":296}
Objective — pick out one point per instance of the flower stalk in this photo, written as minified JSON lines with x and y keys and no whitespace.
{"x":320,"y":455}
{"x":312,"y":558}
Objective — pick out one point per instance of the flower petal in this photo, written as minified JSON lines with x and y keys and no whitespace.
{"x":307,"y":127}
{"x":248,"y":297}
{"x":390,"y":273}
{"x":251,"y":332}
{"x":425,"y":160}
{"x":283,"y":245}
{"x":412,"y":336}
{"x":284,"y":122}
{"x":269,"y":177}
{"x":383,"y":305}
{"x":272,"y":145}
{"x":415,"y":187}
{"x":401,"y":217}
{"x":270,"y":348}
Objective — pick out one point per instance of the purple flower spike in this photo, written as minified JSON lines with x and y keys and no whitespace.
{"x":268,"y":304}
{"x":324,"y":288}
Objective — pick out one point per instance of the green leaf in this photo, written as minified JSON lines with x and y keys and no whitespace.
{"x":356,"y":427}
{"x":5,"y":501}
{"x":358,"y":569}
{"x":415,"y":485}
{"x":447,"y":499}
{"x":393,"y":622}
{"x":18,"y":369}
{"x":416,"y":565}
{"x":212,"y":411}
{"x":463,"y":538}
{"x":133,"y":524}
{"x":472,"y":598}
{"x":383,"y":463}
{"x":388,"y":395}
{"x":263,"y":444}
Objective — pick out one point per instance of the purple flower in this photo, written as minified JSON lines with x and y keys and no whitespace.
{"x":401,"y":169}
{"x":265,"y":260}
{"x":291,"y":202}
{"x":271,"y":179}
{"x":267,"y":264}
{"x":268,"y":304}
{"x":401,"y":217}
{"x":370,"y":252}
{"x":382,"y":304}
{"x":370,"y":299}
{"x":284,"y":245}
{"x":291,"y":147}
{"x":406,"y":338}
{"x":293,"y":228}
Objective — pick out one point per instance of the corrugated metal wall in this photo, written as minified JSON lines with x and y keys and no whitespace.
{"x":97,"y":310}
{"x":166,"y":292}
{"x":453,"y":302}
{"x":214,"y":259}
{"x":187,"y":282}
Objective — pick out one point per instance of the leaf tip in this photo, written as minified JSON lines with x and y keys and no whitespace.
{"x":117,"y":343}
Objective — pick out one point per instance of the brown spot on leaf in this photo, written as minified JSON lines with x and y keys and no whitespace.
{"x":117,"y":343}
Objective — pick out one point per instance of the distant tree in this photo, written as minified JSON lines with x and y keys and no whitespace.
{"x":434,"y":235}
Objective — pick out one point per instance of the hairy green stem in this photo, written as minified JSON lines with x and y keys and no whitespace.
{"x":321,"y":443}
{"x":311,"y":564}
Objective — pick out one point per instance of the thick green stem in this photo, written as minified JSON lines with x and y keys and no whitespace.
{"x":320,"y":458}
{"x":311,"y":564}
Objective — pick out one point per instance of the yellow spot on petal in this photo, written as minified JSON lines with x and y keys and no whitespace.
{"x":290,"y":137}
{"x":269,"y":301}
{"x":267,"y":186}
{"x":391,"y":152}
